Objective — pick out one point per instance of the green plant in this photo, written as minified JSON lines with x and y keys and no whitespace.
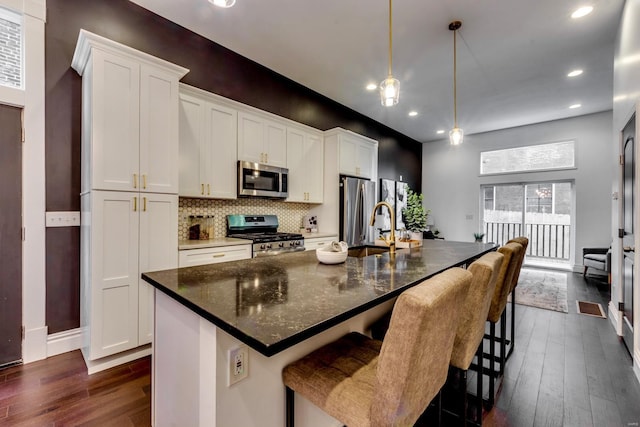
{"x":414,"y":215}
{"x":478,"y":236}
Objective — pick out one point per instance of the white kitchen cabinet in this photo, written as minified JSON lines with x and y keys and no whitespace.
{"x":214,"y":255}
{"x":261,"y":140}
{"x":313,"y":243}
{"x":130,"y":102}
{"x":208,"y":141}
{"x":305,"y":160}
{"x":129,"y":221}
{"x":357,"y":155}
{"x":128,"y":233}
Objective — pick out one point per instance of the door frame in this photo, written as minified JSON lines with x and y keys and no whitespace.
{"x":32,"y":100}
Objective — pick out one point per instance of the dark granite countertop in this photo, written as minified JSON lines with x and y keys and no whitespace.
{"x":273,"y":303}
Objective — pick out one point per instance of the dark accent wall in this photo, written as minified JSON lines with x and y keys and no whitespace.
{"x":212,"y":68}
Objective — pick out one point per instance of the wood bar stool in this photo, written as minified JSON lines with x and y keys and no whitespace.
{"x":516,"y":276}
{"x":511,"y":252}
{"x":365,"y":382}
{"x":470,"y":332}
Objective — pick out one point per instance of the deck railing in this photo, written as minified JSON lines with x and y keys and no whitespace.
{"x":545,"y":240}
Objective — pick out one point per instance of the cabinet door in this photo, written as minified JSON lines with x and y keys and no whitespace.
{"x":221,"y":152}
{"x":250,"y":138}
{"x":114,"y":273}
{"x":192,"y":161}
{"x":158,"y":250}
{"x":348,"y":155}
{"x":313,"y":161}
{"x":364,"y":159}
{"x":158,"y":131}
{"x":296,"y":165}
{"x":275,"y":144}
{"x":305,"y":156}
{"x":114,"y":115}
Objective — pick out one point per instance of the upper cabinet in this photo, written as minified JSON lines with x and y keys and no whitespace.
{"x":261,"y":140}
{"x":305,"y":160}
{"x":208,"y":135}
{"x":357,"y":155}
{"x":131,"y":142}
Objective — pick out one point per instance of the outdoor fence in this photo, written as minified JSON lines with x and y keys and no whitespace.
{"x":545,"y":240}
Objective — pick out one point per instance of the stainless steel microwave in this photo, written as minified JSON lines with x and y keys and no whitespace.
{"x":258,"y":180}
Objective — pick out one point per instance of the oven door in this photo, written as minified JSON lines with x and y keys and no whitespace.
{"x":258,"y":180}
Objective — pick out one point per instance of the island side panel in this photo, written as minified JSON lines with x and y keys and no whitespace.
{"x":184,"y":366}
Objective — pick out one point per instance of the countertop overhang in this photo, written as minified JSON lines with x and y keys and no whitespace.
{"x":273,"y":303}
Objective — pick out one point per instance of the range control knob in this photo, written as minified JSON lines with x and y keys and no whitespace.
{"x":268,"y":245}
{"x":281,"y":245}
{"x":262,"y":246}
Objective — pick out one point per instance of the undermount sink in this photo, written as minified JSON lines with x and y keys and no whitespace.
{"x":366,"y":250}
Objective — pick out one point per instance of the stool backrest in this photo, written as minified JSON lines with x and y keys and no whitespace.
{"x":525,"y":243}
{"x":511,"y":252}
{"x":473,"y":313}
{"x":415,"y":354}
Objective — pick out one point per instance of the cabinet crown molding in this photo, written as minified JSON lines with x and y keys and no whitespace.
{"x":339,"y":130}
{"x":88,"y":40}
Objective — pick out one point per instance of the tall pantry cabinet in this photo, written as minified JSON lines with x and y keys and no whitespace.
{"x":129,"y":199}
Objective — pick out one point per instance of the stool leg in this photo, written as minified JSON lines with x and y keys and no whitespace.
{"x":479,"y":396}
{"x":463,"y":390}
{"x":503,"y":340}
{"x":513,"y":322}
{"x":289,"y":407}
{"x":492,"y":363}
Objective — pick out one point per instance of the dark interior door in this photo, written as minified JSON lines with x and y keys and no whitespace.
{"x":10,"y":235}
{"x":628,"y":238}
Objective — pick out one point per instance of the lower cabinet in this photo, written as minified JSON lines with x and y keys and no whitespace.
{"x":313,"y":243}
{"x":193,"y":257}
{"x":123,"y":234}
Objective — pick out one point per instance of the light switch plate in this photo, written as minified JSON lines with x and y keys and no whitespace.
{"x":63,"y":219}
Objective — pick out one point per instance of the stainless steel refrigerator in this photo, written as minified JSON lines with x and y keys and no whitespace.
{"x":357,"y":199}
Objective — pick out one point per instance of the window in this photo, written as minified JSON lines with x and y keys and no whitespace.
{"x":11,"y":42}
{"x":557,"y":155}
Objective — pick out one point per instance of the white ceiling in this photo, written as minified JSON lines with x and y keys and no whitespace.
{"x":513,"y":55}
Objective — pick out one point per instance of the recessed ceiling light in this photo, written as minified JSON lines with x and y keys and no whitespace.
{"x":583,"y":11}
{"x":575,"y":106}
{"x":574,"y":73}
{"x":439,"y":131}
{"x":372,"y":86}
{"x":413,"y":113}
{"x":223,"y":3}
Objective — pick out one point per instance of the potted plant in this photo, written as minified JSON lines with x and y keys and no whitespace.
{"x":478,"y":236}
{"x":414,"y":215}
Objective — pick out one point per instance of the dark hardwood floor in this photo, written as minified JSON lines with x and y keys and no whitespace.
{"x":566,"y":370}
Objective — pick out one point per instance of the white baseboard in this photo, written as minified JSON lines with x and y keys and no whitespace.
{"x":98,"y":365}
{"x":64,"y":341}
{"x":614,"y":318}
{"x":636,"y":364}
{"x":34,"y":346}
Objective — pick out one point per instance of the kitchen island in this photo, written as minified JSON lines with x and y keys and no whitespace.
{"x":282,"y":308}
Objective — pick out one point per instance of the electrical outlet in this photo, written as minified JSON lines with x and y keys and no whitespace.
{"x":238,"y":359}
{"x":62,"y":219}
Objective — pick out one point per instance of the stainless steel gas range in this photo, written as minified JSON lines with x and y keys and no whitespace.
{"x":262,"y":230}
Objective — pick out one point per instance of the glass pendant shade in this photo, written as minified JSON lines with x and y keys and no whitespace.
{"x":223,"y":3}
{"x":389,"y":91}
{"x":455,"y":136}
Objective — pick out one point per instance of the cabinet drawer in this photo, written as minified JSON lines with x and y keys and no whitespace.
{"x":193,"y":257}
{"x":313,"y":244}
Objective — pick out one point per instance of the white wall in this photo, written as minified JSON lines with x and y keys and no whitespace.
{"x":451,"y":180}
{"x":626,"y":97}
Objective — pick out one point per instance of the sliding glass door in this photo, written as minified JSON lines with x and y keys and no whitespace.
{"x":540,"y":211}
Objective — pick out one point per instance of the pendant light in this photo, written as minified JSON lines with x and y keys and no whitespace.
{"x":223,"y":3}
{"x":390,"y":87}
{"x":456,"y":134}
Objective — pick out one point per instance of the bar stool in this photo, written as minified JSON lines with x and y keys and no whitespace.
{"x":516,"y":276}
{"x":470,"y":332}
{"x":366,"y":382}
{"x":511,"y":252}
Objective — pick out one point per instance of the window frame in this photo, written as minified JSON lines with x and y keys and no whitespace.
{"x":521,"y":171}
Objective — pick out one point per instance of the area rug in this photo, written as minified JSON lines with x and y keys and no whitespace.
{"x":590,"y":309}
{"x":542,"y":289}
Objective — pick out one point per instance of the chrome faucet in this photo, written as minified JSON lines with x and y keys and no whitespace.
{"x":392,"y":238}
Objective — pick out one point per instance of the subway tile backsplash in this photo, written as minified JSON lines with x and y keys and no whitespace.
{"x":290,"y":215}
